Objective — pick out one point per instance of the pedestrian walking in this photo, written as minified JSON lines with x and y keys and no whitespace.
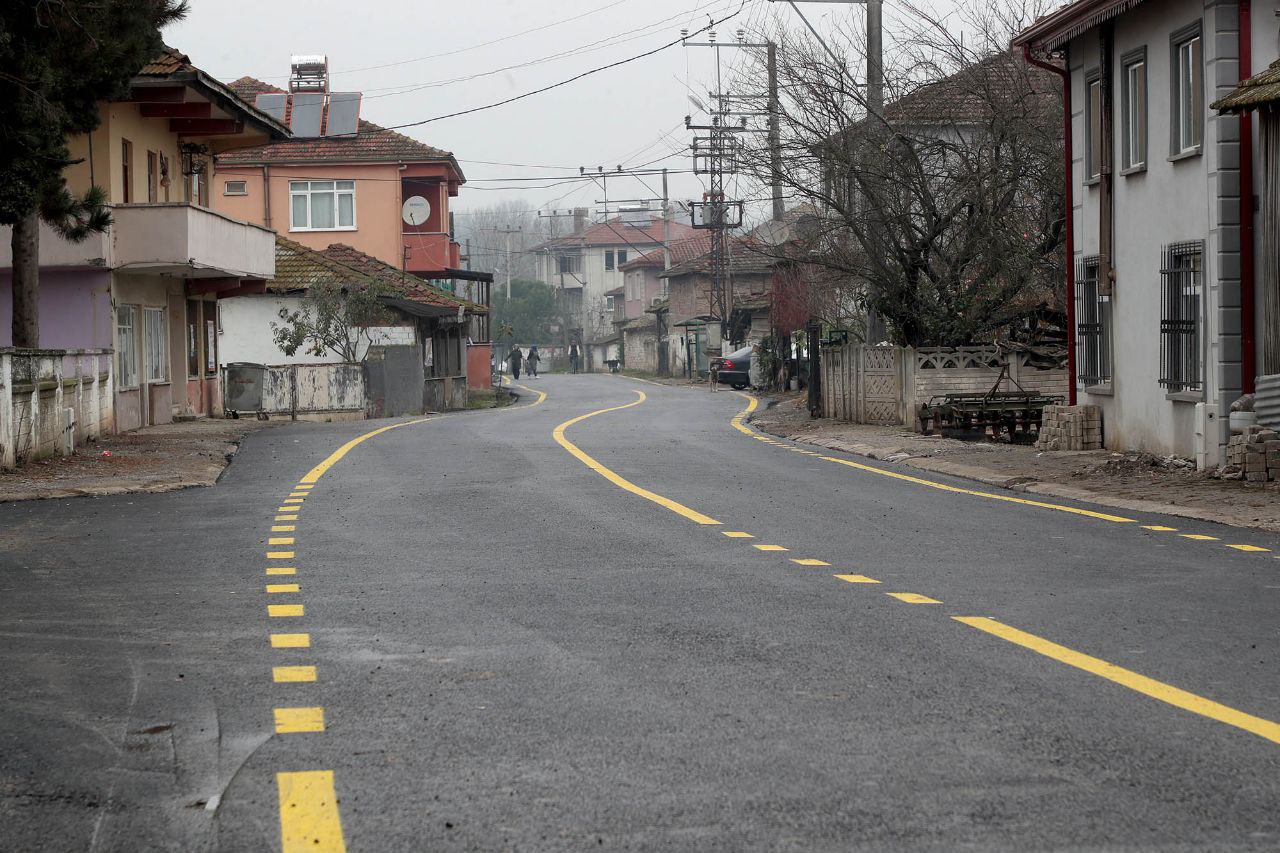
{"x":573,"y":358}
{"x":513,"y":359}
{"x":531,"y":362}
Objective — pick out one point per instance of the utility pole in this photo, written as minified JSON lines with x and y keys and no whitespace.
{"x":775,"y":130}
{"x":508,"y":232}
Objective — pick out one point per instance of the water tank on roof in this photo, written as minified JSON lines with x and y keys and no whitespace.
{"x":309,"y":73}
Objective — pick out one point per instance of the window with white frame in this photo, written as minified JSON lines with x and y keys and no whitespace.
{"x":322,"y":205}
{"x":127,"y":346}
{"x":1180,"y":286}
{"x":1134,"y":109}
{"x":1093,"y":116}
{"x":235,"y":188}
{"x":1188,"y":91}
{"x":155,"y":336}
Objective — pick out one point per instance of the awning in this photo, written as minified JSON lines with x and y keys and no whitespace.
{"x":467,"y":275}
{"x":418,"y":309}
{"x":1262,"y":89}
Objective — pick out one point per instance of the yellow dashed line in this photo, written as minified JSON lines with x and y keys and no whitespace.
{"x":1199,"y":537}
{"x":292,"y":674}
{"x":913,"y":598}
{"x":809,"y":561}
{"x":288,"y":509}
{"x":286,"y":518}
{"x":279,"y":555}
{"x":293,"y":500}
{"x":282,"y":570}
{"x":291,"y":720}
{"x":283,"y":528}
{"x":1159,"y":528}
{"x":290,"y":641}
{"x":304,"y":486}
{"x":297,"y":494}
{"x":857,"y":579}
{"x":770,"y":547}
{"x":737,"y":534}
{"x":284,"y":610}
{"x":1250,"y":548}
{"x":280,"y":540}
{"x":309,"y":813}
{"x":283,"y":587}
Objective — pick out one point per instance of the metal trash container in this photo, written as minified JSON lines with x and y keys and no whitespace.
{"x":242,"y":388}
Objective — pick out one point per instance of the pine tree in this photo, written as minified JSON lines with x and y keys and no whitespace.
{"x":58,"y":60}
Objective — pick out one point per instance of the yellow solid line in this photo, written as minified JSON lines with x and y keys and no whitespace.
{"x":1199,"y":537}
{"x":291,"y":720}
{"x":292,"y":674}
{"x":1251,"y":548}
{"x":309,"y":818}
{"x":284,"y":610}
{"x":290,"y":641}
{"x":279,"y":555}
{"x":281,"y":570}
{"x":332,"y":459}
{"x":618,"y":480}
{"x":770,"y":547}
{"x":752,"y":402}
{"x":282,"y":587}
{"x":737,"y":534}
{"x":913,"y":598}
{"x":1159,"y":528}
{"x":809,"y":561}
{"x":541,"y":396}
{"x":857,"y":579}
{"x":283,"y":528}
{"x":1127,"y":678}
{"x":280,"y":540}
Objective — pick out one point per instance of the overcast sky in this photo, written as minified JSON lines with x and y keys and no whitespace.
{"x":630,"y":115}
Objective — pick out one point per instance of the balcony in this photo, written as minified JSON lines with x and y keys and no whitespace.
{"x":171,"y":238}
{"x":427,"y":253}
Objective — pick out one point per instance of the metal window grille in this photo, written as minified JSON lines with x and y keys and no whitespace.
{"x":1093,"y":325}
{"x":1181,"y":270}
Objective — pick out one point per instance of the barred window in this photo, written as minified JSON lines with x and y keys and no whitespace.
{"x":1093,"y":325}
{"x":1181,"y":272}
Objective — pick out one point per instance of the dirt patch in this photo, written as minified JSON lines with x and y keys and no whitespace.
{"x":155,"y":459}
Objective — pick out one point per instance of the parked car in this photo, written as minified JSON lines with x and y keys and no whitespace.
{"x":734,"y":369}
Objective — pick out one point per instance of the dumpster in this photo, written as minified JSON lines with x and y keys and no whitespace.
{"x":242,"y":389}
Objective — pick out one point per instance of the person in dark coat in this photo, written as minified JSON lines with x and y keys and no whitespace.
{"x":573,"y":357}
{"x":513,"y":359}
{"x":531,"y":362}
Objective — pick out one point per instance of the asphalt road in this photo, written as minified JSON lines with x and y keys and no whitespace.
{"x":515,"y":641}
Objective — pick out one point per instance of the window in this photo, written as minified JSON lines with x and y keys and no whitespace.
{"x":568,"y":264}
{"x":1134,"y":106}
{"x":197,"y":189}
{"x":608,"y":303}
{"x":155,"y":332}
{"x":153,"y":177}
{"x":1180,"y":281}
{"x":193,"y":339}
{"x":322,"y":205}
{"x":126,"y":170}
{"x":622,"y":257}
{"x":1093,"y":146}
{"x":1093,"y":325}
{"x":235,"y":188}
{"x":164,"y":175}
{"x":608,"y":260}
{"x":126,"y":346}
{"x":210,"y":346}
{"x":1188,"y":91}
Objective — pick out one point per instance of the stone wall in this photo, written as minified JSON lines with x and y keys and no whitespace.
{"x":52,"y":401}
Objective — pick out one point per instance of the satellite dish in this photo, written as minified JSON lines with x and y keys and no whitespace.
{"x":416,"y":210}
{"x":697,"y":103}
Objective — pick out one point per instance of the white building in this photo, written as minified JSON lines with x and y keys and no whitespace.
{"x":1161,"y":235}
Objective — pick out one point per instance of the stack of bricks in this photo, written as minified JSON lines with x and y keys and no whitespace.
{"x":1070,"y":428}
{"x":1255,"y":454}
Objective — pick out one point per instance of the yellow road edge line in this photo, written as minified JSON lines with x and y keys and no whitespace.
{"x":290,"y":641}
{"x":856,"y":578}
{"x":309,"y":815}
{"x":294,"y":720}
{"x":542,"y":395}
{"x":292,"y":674}
{"x":332,"y":459}
{"x":617,"y":479}
{"x":752,"y":403}
{"x":1127,"y":678}
{"x":913,"y":598}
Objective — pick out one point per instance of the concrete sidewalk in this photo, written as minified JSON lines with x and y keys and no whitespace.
{"x":154,"y":459}
{"x":1133,"y":481}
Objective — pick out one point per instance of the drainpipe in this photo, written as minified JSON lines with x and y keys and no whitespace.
{"x":1067,"y":202}
{"x":1248,"y":363}
{"x":266,"y":196}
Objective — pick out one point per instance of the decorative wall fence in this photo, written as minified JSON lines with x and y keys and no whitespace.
{"x":886,"y":385}
{"x":53,"y":401}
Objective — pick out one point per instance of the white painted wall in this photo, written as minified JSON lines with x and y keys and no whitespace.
{"x":244,"y":331}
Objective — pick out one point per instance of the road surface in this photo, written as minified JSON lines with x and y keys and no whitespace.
{"x":615,"y":618}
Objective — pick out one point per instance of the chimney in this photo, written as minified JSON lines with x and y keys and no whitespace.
{"x":579,"y":220}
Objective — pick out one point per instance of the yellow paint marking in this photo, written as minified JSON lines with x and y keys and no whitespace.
{"x":279,"y":555}
{"x":1199,"y":537}
{"x":293,"y":500}
{"x":282,"y":587}
{"x":541,"y":396}
{"x":809,"y":561}
{"x":913,"y":598}
{"x":288,"y":509}
{"x":283,"y":528}
{"x":1159,"y":528}
{"x":290,"y":641}
{"x":280,"y":540}
{"x":281,"y":570}
{"x":737,"y":534}
{"x":291,"y":720}
{"x":752,"y":403}
{"x":1250,"y":548}
{"x":857,"y":579}
{"x":292,"y":674}
{"x":770,"y":547}
{"x":615,"y":478}
{"x":297,"y":494}
{"x":332,"y":459}
{"x":1127,"y":678}
{"x":304,"y":486}
{"x":284,"y":610}
{"x":286,"y":517}
{"x":309,"y":818}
